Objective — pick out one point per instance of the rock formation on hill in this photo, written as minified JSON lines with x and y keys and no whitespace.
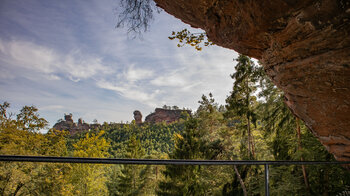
{"x":165,"y":115}
{"x":138,"y":117}
{"x":68,"y":125}
{"x":304,"y":46}
{"x":160,"y":115}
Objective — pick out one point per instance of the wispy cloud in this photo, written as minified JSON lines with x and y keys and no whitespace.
{"x":133,"y":74}
{"x":27,"y":55}
{"x":171,"y":79}
{"x":47,"y":61}
{"x":52,"y":107}
{"x":131,"y":91}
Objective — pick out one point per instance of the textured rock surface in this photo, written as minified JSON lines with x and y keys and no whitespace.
{"x":138,"y":117}
{"x":165,"y":115}
{"x":73,"y":128}
{"x":304,"y":46}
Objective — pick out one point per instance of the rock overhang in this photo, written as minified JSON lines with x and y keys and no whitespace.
{"x":304,"y":46}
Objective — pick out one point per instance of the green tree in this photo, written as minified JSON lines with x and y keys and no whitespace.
{"x":242,"y":101}
{"x":184,"y":180}
{"x":90,"y":179}
{"x":21,"y":137}
{"x":192,"y":143}
{"x":133,"y":179}
{"x":212,"y":120}
{"x":28,"y":119}
{"x":53,"y":178}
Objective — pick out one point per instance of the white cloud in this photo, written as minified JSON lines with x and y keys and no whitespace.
{"x":135,"y":74}
{"x":52,"y":107}
{"x":80,"y":66}
{"x":171,"y":79}
{"x":52,"y":77}
{"x":195,"y":73}
{"x":30,"y":56}
{"x":131,"y":91}
{"x":27,"y":55}
{"x":132,"y":84}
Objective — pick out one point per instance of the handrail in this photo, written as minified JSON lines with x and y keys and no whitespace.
{"x":52,"y":159}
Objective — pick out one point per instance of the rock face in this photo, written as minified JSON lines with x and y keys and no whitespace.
{"x":138,"y":117}
{"x":304,"y":46}
{"x":165,"y":115}
{"x":68,"y":125}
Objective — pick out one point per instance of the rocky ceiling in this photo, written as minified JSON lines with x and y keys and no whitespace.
{"x":304,"y":46}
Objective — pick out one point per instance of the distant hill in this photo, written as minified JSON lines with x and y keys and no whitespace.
{"x":166,"y":115}
{"x":160,"y":115}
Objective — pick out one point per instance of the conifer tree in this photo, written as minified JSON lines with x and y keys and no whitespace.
{"x":192,"y":143}
{"x":242,"y":100}
{"x":183,"y":180}
{"x":132,"y":177}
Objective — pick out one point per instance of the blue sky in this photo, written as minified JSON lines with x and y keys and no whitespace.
{"x":67,"y":57}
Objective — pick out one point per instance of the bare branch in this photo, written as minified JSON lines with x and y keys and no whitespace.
{"x":136,"y":15}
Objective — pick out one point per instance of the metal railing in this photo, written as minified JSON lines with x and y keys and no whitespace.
{"x":15,"y":158}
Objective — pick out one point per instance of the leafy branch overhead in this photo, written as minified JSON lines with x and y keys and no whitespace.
{"x":185,"y":37}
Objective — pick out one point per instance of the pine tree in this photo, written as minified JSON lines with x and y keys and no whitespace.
{"x":242,"y":100}
{"x":194,"y":143}
{"x":184,"y":180}
{"x":132,"y":177}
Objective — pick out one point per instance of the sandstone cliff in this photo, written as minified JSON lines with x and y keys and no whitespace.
{"x":138,"y":117}
{"x":304,"y":46}
{"x":160,"y":115}
{"x":165,"y":115}
{"x":73,"y":128}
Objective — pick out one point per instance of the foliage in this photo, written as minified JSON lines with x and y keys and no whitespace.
{"x":184,"y":180}
{"x":242,"y":96}
{"x":153,"y":137}
{"x":202,"y":138}
{"x":90,"y":179}
{"x":185,"y":37}
{"x":28,"y":119}
{"x":19,"y":137}
{"x":129,"y":181}
{"x":242,"y":101}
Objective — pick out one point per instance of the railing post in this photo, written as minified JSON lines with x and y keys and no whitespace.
{"x":267,"y":193}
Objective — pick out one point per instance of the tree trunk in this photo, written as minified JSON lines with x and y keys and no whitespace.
{"x":240,"y":181}
{"x":19,"y":186}
{"x":249,"y":141}
{"x":326,"y":183}
{"x":156,"y":172}
{"x":306,"y":181}
{"x":253,"y":145}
